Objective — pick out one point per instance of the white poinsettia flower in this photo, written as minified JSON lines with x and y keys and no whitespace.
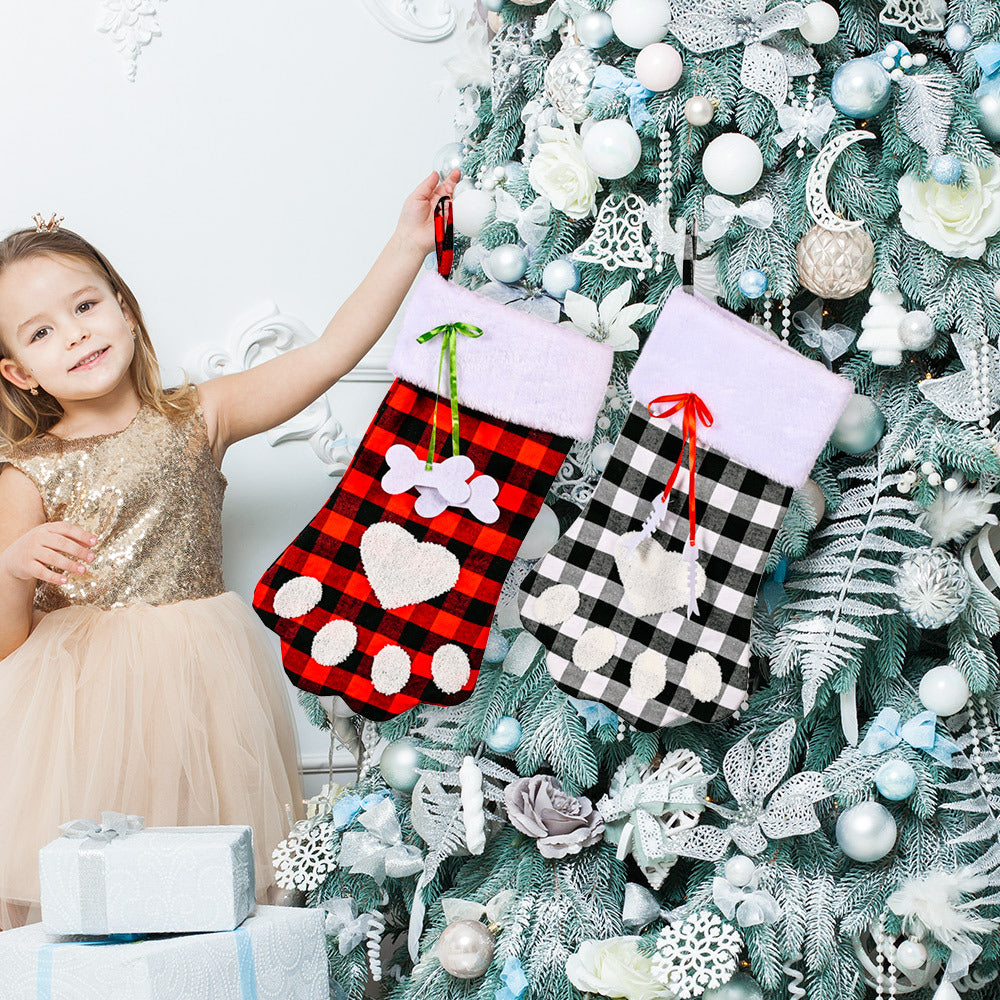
{"x":611,"y":321}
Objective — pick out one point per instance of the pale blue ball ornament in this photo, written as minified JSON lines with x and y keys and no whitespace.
{"x":753,"y":283}
{"x":508,"y":263}
{"x":506,"y":735}
{"x":860,"y":426}
{"x":559,"y":277}
{"x":861,"y":88}
{"x":594,"y":29}
{"x":947,"y":169}
{"x":741,"y":987}
{"x":399,"y":763}
{"x":497,"y":647}
{"x":896,"y":780}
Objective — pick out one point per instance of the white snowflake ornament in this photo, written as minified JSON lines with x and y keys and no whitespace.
{"x":305,"y":857}
{"x":753,"y":775}
{"x":697,"y":955}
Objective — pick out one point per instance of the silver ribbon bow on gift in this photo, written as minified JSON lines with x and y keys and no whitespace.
{"x":531,"y":222}
{"x":380,"y":851}
{"x":343,"y":922}
{"x":720,"y":213}
{"x":750,"y":905}
{"x":814,"y":123}
{"x":113,"y":824}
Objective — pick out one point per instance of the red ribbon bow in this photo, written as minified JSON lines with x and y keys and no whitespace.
{"x":695,"y":410}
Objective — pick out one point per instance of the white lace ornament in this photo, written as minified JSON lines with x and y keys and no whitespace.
{"x":305,"y":857}
{"x":913,"y":16}
{"x":751,"y":776}
{"x":972,"y":394}
{"x":719,"y":24}
{"x":697,"y":955}
{"x":616,"y":240}
{"x":509,"y":52}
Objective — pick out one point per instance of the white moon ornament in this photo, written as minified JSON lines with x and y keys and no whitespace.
{"x":819,"y":175}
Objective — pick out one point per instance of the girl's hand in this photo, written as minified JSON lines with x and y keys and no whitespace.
{"x":59,"y":545}
{"x":415,"y":229}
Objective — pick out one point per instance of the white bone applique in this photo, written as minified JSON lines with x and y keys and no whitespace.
{"x":448,"y":478}
{"x":484,"y":490}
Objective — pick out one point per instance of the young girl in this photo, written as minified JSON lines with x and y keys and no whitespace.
{"x":129,"y":679}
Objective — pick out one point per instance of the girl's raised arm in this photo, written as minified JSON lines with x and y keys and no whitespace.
{"x":237,"y":406}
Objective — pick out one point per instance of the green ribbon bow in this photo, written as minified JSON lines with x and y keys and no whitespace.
{"x":449,"y":344}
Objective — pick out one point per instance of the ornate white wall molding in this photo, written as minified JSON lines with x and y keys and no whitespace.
{"x":263,"y":333}
{"x":415,"y":20}
{"x":131,"y":25}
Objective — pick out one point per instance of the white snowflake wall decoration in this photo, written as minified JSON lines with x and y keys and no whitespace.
{"x":131,"y":25}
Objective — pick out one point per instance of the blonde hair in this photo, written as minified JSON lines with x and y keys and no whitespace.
{"x":24,"y":416}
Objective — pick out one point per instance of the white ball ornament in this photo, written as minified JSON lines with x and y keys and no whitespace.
{"x":601,"y":454}
{"x":958,"y":37}
{"x":612,"y":148}
{"x":541,"y":536}
{"x":470,"y":210}
{"x":866,"y":832}
{"x":658,"y":66}
{"x":740,"y":870}
{"x":896,"y":780}
{"x":916,"y":331}
{"x":465,"y":949}
{"x":559,"y":277}
{"x":821,"y":24}
{"x":594,"y":29}
{"x":448,"y":158}
{"x":639,"y":23}
{"x":508,"y":263}
{"x":699,"y":110}
{"x":732,"y":163}
{"x":943,"y":690}
{"x":910,"y":956}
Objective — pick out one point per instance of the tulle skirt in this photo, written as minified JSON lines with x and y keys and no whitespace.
{"x":177,"y":713}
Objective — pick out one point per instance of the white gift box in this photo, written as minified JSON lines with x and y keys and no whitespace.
{"x":162,"y":880}
{"x":277,"y":954}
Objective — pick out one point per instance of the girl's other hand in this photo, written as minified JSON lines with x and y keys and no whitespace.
{"x":41,"y":553}
{"x":415,"y":229}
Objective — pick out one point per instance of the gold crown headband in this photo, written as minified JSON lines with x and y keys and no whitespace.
{"x":41,"y":226}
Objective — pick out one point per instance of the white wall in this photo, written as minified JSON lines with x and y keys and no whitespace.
{"x":262,"y":153}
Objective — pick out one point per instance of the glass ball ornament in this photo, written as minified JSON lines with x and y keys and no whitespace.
{"x":947,"y":169}
{"x":612,"y":148}
{"x":699,"y":110}
{"x":959,"y":37}
{"x":741,"y":987}
{"x":896,"y":780}
{"x":594,"y":29}
{"x":497,"y":646}
{"x":866,"y":832}
{"x":541,"y":536}
{"x":753,"y":283}
{"x":639,"y":23}
{"x":860,"y":426}
{"x":601,"y":454}
{"x":989,"y":115}
{"x":448,"y":158}
{"x":508,"y":262}
{"x":506,"y":735}
{"x":465,"y":949}
{"x":493,"y":5}
{"x":943,"y":690}
{"x":835,"y":265}
{"x":910,"y":955}
{"x":732,"y":163}
{"x":398,"y":764}
{"x":658,"y":66}
{"x":740,"y":870}
{"x":860,"y":88}
{"x":470,"y":210}
{"x":821,"y":24}
{"x":568,"y":79}
{"x":916,"y":331}
{"x":559,"y":277}
{"x":932,"y":586}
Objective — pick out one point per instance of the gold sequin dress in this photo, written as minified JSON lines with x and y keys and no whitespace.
{"x":146,"y":688}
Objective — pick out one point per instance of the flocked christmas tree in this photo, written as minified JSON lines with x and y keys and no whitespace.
{"x":838,"y":835}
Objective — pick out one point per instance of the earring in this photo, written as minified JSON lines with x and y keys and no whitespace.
{"x":33,"y":390}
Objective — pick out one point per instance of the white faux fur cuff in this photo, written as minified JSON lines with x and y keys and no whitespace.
{"x":521,"y":369}
{"x":774,"y":409}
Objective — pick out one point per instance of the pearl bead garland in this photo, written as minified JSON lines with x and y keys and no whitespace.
{"x":665,"y":187}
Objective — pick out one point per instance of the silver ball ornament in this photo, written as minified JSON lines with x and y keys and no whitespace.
{"x":741,"y":987}
{"x":896,"y":780}
{"x":866,"y":832}
{"x":506,"y":735}
{"x":860,"y":426}
{"x":465,"y":949}
{"x":860,"y":88}
{"x":910,"y":955}
{"x":943,"y":690}
{"x":276,"y":896}
{"x":568,"y":79}
{"x":508,"y":263}
{"x":916,"y":331}
{"x":989,"y":115}
{"x":958,"y":37}
{"x":448,"y":158}
{"x":932,"y":586}
{"x":699,"y":110}
{"x":559,"y":277}
{"x":497,"y":646}
{"x":594,"y":29}
{"x":398,"y":765}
